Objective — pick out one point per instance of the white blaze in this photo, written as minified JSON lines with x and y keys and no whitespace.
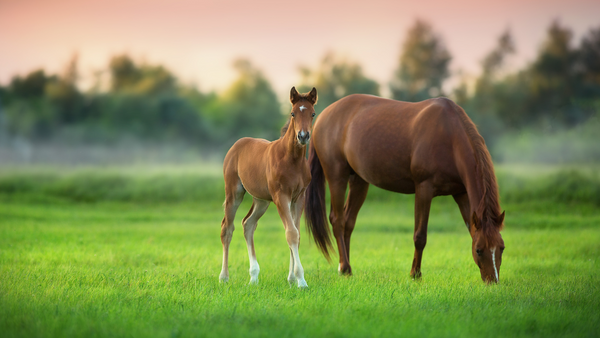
{"x":302,"y":108}
{"x":494,"y":261}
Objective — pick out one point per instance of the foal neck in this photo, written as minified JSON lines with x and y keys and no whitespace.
{"x":292,"y":147}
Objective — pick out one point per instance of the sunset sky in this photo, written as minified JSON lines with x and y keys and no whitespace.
{"x":198,"y":40}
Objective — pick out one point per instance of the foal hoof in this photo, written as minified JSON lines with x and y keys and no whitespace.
{"x":223,"y":279}
{"x":302,"y":284}
{"x":253,"y":281}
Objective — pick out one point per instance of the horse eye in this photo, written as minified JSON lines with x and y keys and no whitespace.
{"x":293,"y":115}
{"x":313,"y":114}
{"x":479,"y":252}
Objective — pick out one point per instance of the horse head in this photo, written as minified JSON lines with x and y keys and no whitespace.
{"x":303,"y":113}
{"x":488,"y":246}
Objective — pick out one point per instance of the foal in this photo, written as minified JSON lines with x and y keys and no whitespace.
{"x":270,"y":171}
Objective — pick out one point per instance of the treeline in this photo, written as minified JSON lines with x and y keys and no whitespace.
{"x":559,"y":89}
{"x":142,"y":101}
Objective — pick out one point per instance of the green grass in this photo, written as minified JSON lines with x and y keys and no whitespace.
{"x":141,"y":257}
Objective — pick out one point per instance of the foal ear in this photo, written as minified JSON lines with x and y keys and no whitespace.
{"x":475,"y":221}
{"x":294,"y":95}
{"x":312,"y":96}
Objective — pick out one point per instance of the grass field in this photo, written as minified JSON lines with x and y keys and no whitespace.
{"x":130,"y":252}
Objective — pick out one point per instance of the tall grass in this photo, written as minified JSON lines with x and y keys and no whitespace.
{"x":197,"y":183}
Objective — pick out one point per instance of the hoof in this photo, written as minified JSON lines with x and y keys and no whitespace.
{"x":292,"y":281}
{"x":302,"y":284}
{"x":223,"y":279}
{"x":415,"y":275}
{"x":253,"y":281}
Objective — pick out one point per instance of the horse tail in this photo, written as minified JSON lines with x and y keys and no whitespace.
{"x":314,"y":205}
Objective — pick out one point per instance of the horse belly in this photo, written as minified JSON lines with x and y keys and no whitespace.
{"x":382,"y":165}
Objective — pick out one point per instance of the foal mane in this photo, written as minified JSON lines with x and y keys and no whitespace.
{"x":285,"y":128}
{"x":489,"y":206}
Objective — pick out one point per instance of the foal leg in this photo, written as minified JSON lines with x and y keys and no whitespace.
{"x":463,"y":204}
{"x":292,"y":235}
{"x":356,"y":197}
{"x":296,"y":211}
{"x":234,"y":194}
{"x":423,"y":197}
{"x":259,"y":207}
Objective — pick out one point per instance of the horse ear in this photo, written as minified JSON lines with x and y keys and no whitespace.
{"x":294,"y":95}
{"x":312,"y":96}
{"x":475,"y":221}
{"x":501,"y":218}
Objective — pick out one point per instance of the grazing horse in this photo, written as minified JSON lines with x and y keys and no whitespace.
{"x":427,"y":148}
{"x":270,"y":171}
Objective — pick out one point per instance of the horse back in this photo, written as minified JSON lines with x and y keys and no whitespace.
{"x":392,"y":144}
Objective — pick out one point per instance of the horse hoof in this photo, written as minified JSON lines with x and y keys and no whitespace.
{"x":416,"y":275}
{"x":223,"y":279}
{"x":302,"y":284}
{"x":292,"y":281}
{"x":253,"y":281}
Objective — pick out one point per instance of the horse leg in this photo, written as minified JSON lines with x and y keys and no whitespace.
{"x":259,"y":207}
{"x":423,"y":197}
{"x":356,"y":197}
{"x":337,"y":189}
{"x":296,"y":211}
{"x":292,"y":235}
{"x":463,"y":204}
{"x":234,"y":194}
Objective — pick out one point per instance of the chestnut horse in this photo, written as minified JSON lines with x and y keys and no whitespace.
{"x":270,"y":171}
{"x":428,"y":148}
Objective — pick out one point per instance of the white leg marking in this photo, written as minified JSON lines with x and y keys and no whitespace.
{"x":298,"y":270}
{"x":254,"y":270}
{"x":494,"y":261}
{"x":291,"y":276}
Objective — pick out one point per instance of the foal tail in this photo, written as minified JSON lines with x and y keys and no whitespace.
{"x":314,"y":205}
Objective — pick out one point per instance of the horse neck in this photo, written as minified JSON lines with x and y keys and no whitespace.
{"x":290,"y":144}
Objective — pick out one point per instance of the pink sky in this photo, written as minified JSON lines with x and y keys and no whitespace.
{"x":198,"y":40}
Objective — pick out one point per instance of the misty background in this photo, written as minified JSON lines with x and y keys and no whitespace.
{"x":131,"y":111}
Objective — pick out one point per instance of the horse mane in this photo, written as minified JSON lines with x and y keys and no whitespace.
{"x":489,"y":206}
{"x":303,"y":97}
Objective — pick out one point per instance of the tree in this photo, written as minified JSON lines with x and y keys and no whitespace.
{"x":128,"y":77}
{"x":589,"y":57}
{"x":249,"y":107}
{"x":336,"y":78}
{"x":423,"y":65}
{"x":64,"y":94}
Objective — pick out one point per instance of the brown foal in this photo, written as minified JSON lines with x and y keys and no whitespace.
{"x":270,"y":171}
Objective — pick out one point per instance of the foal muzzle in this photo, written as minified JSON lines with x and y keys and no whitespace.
{"x":303,"y":137}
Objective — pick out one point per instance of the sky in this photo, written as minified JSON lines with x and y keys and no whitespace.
{"x":199,"y":40}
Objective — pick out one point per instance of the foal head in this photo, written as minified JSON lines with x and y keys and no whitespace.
{"x":303,"y":112}
{"x":487,"y":246}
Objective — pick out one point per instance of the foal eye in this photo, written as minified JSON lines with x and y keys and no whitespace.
{"x":293,"y":115}
{"x":479,"y":252}
{"x":313,"y":114}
